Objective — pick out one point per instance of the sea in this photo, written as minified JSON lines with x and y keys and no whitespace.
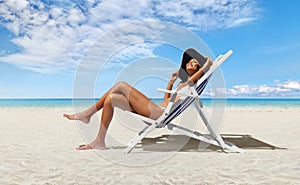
{"x":262,"y":104}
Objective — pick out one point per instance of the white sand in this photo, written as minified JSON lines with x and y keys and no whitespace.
{"x":37,"y":147}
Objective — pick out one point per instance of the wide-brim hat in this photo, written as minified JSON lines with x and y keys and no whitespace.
{"x":187,"y":56}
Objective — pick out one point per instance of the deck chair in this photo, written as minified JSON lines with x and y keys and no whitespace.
{"x":174,"y":109}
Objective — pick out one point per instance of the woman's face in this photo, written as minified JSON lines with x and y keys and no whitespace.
{"x":192,"y":66}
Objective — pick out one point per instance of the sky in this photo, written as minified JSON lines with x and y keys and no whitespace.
{"x":54,"y":49}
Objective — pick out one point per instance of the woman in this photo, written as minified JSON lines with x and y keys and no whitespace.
{"x":126,"y":97}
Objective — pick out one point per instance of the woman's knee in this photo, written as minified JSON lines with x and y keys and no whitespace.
{"x":108,"y":101}
{"x":120,"y":87}
{"x":113,"y":98}
{"x":117,"y":100}
{"x":121,"y":84}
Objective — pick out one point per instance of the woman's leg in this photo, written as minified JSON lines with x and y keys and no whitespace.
{"x":106,"y":117}
{"x":133,"y":96}
{"x":86,"y":115}
{"x":127,"y":98}
{"x":140,"y":103}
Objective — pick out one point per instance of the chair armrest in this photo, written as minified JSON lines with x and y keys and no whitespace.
{"x":193,"y":95}
{"x":166,"y":91}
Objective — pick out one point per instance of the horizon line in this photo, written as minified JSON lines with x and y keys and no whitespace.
{"x":70,"y":98}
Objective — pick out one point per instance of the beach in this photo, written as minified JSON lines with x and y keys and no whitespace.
{"x":38,"y":147}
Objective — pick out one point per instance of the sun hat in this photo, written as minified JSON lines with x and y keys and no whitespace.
{"x":189,"y":54}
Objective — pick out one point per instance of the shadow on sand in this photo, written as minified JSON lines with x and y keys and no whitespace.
{"x":184,"y":143}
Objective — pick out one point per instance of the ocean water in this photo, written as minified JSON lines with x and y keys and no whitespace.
{"x":235,"y":104}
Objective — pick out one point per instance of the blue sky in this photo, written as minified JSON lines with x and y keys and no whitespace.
{"x":43,"y":43}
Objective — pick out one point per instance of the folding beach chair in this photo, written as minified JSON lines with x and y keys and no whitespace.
{"x":192,"y":96}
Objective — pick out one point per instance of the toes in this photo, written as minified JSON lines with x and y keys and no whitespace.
{"x":70,"y":117}
{"x":84,"y":147}
{"x":88,"y":147}
{"x":81,"y":147}
{"x":67,"y":116}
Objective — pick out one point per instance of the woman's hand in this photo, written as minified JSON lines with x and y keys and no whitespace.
{"x":173,"y":77}
{"x":207,"y":64}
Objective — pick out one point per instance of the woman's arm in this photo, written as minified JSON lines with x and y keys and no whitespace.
{"x":195,"y":77}
{"x":172,"y":79}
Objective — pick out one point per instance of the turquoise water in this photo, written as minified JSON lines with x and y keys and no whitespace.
{"x":269,"y":104}
{"x":45,"y":103}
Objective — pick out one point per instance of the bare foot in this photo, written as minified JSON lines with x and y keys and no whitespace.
{"x":92,"y":145}
{"x":79,"y":116}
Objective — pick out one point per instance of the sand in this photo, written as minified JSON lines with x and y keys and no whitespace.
{"x":37,"y":147}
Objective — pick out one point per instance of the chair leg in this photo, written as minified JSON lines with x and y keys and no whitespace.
{"x":138,"y":138}
{"x":134,"y":138}
{"x":218,"y":141}
{"x":217,"y":137}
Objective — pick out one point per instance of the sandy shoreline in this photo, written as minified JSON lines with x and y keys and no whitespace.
{"x":37,"y":147}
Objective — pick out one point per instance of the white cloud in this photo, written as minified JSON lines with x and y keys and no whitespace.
{"x":290,"y":88}
{"x":54,"y":35}
{"x":207,"y":14}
